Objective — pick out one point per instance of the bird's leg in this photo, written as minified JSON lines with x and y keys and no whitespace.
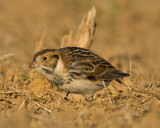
{"x":98,"y":96}
{"x":87,"y":98}
{"x":66,"y":96}
{"x":92,"y":97}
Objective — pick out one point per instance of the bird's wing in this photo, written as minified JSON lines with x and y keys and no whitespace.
{"x":100,"y":70}
{"x":82,"y":62}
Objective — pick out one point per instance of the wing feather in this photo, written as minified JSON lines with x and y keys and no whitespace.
{"x":85,"y":63}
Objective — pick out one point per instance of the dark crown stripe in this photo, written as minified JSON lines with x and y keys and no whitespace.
{"x":42,"y":52}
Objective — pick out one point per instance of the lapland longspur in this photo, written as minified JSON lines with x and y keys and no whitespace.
{"x":75,"y":70}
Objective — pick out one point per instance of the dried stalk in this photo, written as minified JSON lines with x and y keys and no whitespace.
{"x":85,"y":34}
{"x":43,"y":107}
{"x":21,"y":105}
{"x":40,"y":44}
{"x":107,"y":92}
{"x":67,"y":40}
{"x":9,"y":92}
{"x":86,"y":30}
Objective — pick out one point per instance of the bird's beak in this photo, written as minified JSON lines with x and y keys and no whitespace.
{"x":33,"y":64}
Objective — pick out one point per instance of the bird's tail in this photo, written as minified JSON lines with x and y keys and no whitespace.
{"x":121,"y":74}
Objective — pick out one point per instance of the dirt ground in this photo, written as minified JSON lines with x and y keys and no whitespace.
{"x":127,"y":35}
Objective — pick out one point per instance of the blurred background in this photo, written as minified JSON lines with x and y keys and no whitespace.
{"x":123,"y":26}
{"x":127,"y":33}
{"x":127,"y":30}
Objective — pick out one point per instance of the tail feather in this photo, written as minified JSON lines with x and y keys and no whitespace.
{"x":112,"y":74}
{"x":117,"y":72}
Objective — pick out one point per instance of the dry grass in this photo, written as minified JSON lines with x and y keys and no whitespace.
{"x":127,"y":35}
{"x":85,"y":33}
{"x":6,"y":57}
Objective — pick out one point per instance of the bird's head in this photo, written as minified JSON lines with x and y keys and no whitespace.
{"x":45,"y":61}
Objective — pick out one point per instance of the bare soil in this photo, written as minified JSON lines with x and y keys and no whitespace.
{"x":127,"y":35}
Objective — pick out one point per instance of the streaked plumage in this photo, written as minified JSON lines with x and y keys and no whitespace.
{"x":75,"y":70}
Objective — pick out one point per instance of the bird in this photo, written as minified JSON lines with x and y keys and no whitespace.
{"x":76,"y":70}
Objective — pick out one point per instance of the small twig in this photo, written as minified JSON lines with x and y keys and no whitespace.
{"x":3,"y":84}
{"x":127,"y":86}
{"x":148,"y":93}
{"x":107,"y":92}
{"x":9,"y":92}
{"x":144,"y":101}
{"x":6,"y":57}
{"x":71,"y":96}
{"x":150,"y":82}
{"x":2,"y":108}
{"x":148,"y":86}
{"x":22,"y":105}
{"x":40,"y":43}
{"x":127,"y":105}
{"x":43,"y":107}
{"x":130,"y":68}
{"x":123,"y":84}
{"x":51,"y":98}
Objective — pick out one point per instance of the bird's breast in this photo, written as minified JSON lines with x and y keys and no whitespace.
{"x":83,"y":86}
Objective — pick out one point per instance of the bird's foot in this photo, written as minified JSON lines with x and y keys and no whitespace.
{"x":66,"y":96}
{"x":89,"y":98}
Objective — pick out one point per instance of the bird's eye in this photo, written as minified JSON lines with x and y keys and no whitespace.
{"x":44,"y":58}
